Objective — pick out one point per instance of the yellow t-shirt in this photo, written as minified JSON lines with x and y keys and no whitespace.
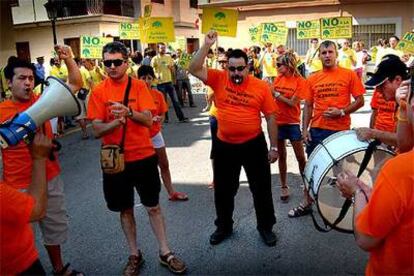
{"x":135,"y":69}
{"x":213,"y":108}
{"x":314,"y":62}
{"x":4,"y":84}
{"x":60,"y":73}
{"x":162,"y":69}
{"x":96,"y":77}
{"x":86,"y":78}
{"x":345,"y":58}
{"x":269,"y":69}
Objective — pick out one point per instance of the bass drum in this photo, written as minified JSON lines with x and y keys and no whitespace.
{"x":340,"y":151}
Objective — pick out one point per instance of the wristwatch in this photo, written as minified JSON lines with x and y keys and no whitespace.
{"x":357,"y":191}
{"x":130,"y":113}
{"x":277,"y":94}
{"x":273,"y":149}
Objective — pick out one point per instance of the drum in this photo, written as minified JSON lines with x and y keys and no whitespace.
{"x":340,"y":151}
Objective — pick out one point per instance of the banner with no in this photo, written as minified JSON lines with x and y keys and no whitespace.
{"x":91,"y":46}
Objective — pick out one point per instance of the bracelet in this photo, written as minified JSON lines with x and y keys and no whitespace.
{"x":357,"y":191}
{"x":401,"y":118}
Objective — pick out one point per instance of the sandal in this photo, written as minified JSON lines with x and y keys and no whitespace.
{"x":64,"y":272}
{"x":174,"y":264}
{"x":300,"y":211}
{"x":178,"y":196}
{"x":284,"y":196}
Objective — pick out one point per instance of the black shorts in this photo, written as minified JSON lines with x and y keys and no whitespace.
{"x":142,"y":175}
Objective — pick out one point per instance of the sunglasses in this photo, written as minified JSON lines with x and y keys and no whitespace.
{"x":238,"y":68}
{"x":279,"y":64}
{"x":115,"y":62}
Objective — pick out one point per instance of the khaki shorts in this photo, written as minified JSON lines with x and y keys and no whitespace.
{"x":54,"y":226}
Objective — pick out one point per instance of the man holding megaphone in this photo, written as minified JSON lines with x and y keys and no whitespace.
{"x":57,"y":100}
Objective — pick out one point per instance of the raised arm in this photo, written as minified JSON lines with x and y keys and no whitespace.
{"x":74,"y":75}
{"x":197,"y":67}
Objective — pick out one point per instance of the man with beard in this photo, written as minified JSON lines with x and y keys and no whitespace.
{"x":240,"y":100}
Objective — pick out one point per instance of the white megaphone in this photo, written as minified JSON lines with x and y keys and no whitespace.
{"x":56,"y":100}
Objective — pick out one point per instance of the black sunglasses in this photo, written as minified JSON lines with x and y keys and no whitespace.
{"x":238,"y":68}
{"x":115,"y":62}
{"x":279,"y":64}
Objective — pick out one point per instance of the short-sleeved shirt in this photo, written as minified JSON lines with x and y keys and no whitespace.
{"x":59,"y":72}
{"x":17,"y":161}
{"x":315,"y":63}
{"x":289,"y":87}
{"x":345,"y":58}
{"x":17,"y":245}
{"x":96,"y":77}
{"x":333,"y":88}
{"x":86,"y":78}
{"x":162,"y":69}
{"x":138,"y":144}
{"x":161,"y":108}
{"x":269,"y":69}
{"x":389,"y":216}
{"x":386,"y":112}
{"x":239,"y":106}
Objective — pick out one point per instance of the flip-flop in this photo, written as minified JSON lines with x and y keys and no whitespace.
{"x":178,"y":196}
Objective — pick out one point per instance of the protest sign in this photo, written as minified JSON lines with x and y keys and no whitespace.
{"x":180,"y":43}
{"x":336,"y":27}
{"x":308,"y":29}
{"x":223,"y":21}
{"x":157,"y":29}
{"x":91,"y":46}
{"x":406,"y":44}
{"x":255,"y":32}
{"x":276,"y":33}
{"x":129,"y":31}
{"x":185,"y":60}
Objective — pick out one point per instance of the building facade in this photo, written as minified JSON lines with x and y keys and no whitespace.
{"x":372,"y":19}
{"x":26,"y":30}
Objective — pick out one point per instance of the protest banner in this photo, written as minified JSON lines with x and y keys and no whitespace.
{"x":185,"y":60}
{"x":156,"y":29}
{"x":91,"y":46}
{"x":276,"y":33}
{"x":128,"y":31}
{"x":223,"y":21}
{"x":336,"y":27}
{"x":308,"y":29}
{"x":255,"y":32}
{"x":406,"y":44}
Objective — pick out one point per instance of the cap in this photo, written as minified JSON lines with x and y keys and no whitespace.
{"x":390,"y":66}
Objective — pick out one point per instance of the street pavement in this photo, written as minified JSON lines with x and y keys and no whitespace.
{"x":97,"y":246}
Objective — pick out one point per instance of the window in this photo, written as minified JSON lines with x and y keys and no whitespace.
{"x":74,"y":44}
{"x":299,"y":45}
{"x":369,"y":34}
{"x":23,"y":50}
{"x":157,"y":1}
{"x":194,"y":4}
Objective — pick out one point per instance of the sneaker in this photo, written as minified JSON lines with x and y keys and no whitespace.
{"x":184,"y":120}
{"x":269,"y":238}
{"x":174,"y":264}
{"x":133,"y":265}
{"x":219,"y":235}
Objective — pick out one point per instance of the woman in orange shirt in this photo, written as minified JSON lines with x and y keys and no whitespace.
{"x":289,"y":88}
{"x":146,"y":73}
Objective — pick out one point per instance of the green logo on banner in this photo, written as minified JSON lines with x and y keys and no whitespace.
{"x":157,"y":24}
{"x":123,"y":34}
{"x":86,"y":52}
{"x":401,"y":45}
{"x":326,"y":33}
{"x":265,"y":37}
{"x":301,"y":34}
{"x":220,"y":15}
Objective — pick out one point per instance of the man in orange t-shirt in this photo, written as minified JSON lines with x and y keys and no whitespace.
{"x":109,"y":117}
{"x":240,"y":99}
{"x":329,"y":106}
{"x":18,"y":254}
{"x":391,"y":72}
{"x":16,"y":159}
{"x":384,"y":215}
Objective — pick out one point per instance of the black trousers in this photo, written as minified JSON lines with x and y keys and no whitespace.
{"x":228,"y":161}
{"x":35,"y":269}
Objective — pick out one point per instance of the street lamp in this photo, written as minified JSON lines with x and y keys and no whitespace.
{"x":52,"y":13}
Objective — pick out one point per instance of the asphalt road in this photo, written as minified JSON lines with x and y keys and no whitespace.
{"x":97,"y":246}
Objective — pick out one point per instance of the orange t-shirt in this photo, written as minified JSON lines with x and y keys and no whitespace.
{"x":333,"y":88}
{"x":17,"y":245}
{"x":138,"y":144}
{"x":161,"y":106}
{"x":239,"y":106}
{"x":386,"y":113}
{"x":289,"y":87}
{"x":17,"y":161}
{"x":389,"y":216}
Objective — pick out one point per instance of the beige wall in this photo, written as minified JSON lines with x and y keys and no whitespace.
{"x":400,"y":13}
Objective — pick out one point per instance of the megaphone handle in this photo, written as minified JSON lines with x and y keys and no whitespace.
{"x":56,"y":147}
